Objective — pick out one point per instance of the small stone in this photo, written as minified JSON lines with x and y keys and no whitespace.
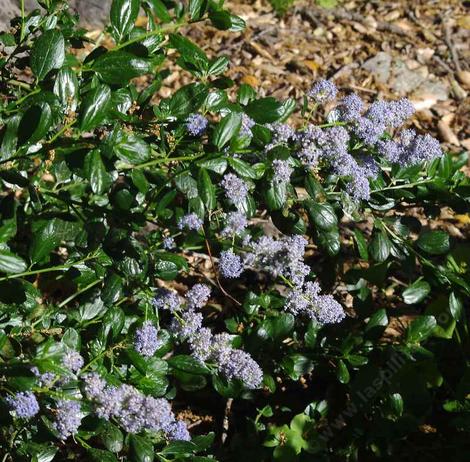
{"x":464,"y":78}
{"x":446,"y":133}
{"x":380,"y":66}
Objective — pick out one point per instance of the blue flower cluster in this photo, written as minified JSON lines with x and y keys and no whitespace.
{"x":131,"y":409}
{"x":308,"y":300}
{"x":232,"y":363}
{"x":146,"y":339}
{"x":196,"y":124}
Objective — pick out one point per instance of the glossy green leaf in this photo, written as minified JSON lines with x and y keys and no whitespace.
{"x":380,"y":247}
{"x":416,"y":292}
{"x":119,"y":67}
{"x":434,"y":242}
{"x":66,"y":87}
{"x":95,"y":107}
{"x":123,"y":16}
{"x":11,"y":263}
{"x":206,"y":189}
{"x":227,"y":128}
{"x":421,"y":328}
{"x":322,"y":215}
{"x":48,"y":53}
{"x":99,"y":178}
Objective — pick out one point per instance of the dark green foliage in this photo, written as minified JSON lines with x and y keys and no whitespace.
{"x":96,"y":172}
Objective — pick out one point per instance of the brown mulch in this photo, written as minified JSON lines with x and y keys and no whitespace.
{"x":426,"y":43}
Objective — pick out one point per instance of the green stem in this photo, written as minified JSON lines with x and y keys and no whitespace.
{"x":48,"y":270}
{"x":22,"y":21}
{"x":61,"y":132}
{"x":103,"y":353}
{"x":19,"y":83}
{"x":165,"y":28}
{"x":76,"y":294}
{"x":403,"y":186}
{"x":161,"y":161}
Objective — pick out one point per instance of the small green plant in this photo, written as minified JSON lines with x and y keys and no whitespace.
{"x":169,"y":264}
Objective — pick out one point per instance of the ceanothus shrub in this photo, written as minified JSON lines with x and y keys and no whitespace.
{"x":110,"y":193}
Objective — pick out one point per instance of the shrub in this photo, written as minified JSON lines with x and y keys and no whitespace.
{"x":292,"y":249}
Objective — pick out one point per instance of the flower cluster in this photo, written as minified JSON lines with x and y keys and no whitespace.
{"x":308,"y":300}
{"x":230,"y":362}
{"x":235,"y":224}
{"x":196,"y":124}
{"x":133,"y":410}
{"x":235,"y":188}
{"x":280,"y":257}
{"x":24,"y":404}
{"x":146,"y":339}
{"x":341,"y":146}
{"x":67,"y":417}
{"x":190,"y":221}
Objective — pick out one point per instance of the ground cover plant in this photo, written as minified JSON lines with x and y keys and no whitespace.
{"x":193,"y":278}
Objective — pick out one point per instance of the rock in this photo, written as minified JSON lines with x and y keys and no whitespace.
{"x":464,"y":78}
{"x":91,"y":12}
{"x":429,"y":93}
{"x":380,"y":66}
{"x":457,"y":90}
{"x":446,"y":133}
{"x":405,"y":80}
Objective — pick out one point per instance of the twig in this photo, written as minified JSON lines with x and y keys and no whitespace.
{"x":442,"y":64}
{"x":339,"y":13}
{"x":450,"y":45}
{"x":226,"y":421}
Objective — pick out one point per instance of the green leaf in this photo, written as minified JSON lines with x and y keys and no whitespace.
{"x":11,"y":263}
{"x":218,"y":65}
{"x":100,"y":455}
{"x":434,"y":242}
{"x":224,"y":20}
{"x":227,"y":128}
{"x":455,"y":306}
{"x":99,"y":178}
{"x":95,"y":107}
{"x":380,"y":247}
{"x":49,"y":235}
{"x":187,"y":100}
{"x":123,"y":16}
{"x":10,"y":137}
{"x":206,"y":189}
{"x":131,"y":148}
{"x":420,"y":329}
{"x":48,"y":53}
{"x":361,"y":244}
{"x":35,"y":123}
{"x":322,"y":215}
{"x":166,"y":270}
{"x":217,"y":165}
{"x":265,"y":110}
{"x":196,"y":9}
{"x":329,"y":241}
{"x":111,"y":437}
{"x":187,"y":363}
{"x":179,"y":448}
{"x":277,"y":328}
{"x":189,"y":52}
{"x":416,"y":292}
{"x":276,"y":195}
{"x":377,"y":324}
{"x":66,"y":87}
{"x":119,"y":67}
{"x":242,"y":168}
{"x":140,"y":181}
{"x":342,"y":372}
